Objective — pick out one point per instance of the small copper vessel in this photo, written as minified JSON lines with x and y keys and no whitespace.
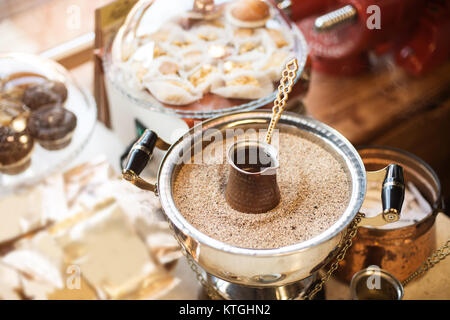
{"x":399,"y":251}
{"x":252,"y":183}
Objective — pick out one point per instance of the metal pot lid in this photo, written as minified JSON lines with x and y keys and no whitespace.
{"x":311,"y":129}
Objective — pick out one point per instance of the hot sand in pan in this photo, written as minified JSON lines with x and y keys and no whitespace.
{"x":314,"y":193}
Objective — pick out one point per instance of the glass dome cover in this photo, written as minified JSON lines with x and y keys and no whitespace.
{"x":199,"y":59}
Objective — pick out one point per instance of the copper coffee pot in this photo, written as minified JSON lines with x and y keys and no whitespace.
{"x":401,"y":250}
{"x":252,"y":184}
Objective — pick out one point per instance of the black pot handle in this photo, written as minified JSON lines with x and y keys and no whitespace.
{"x":392,"y":195}
{"x":141,"y":152}
{"x":393,"y":192}
{"x":138,"y":157}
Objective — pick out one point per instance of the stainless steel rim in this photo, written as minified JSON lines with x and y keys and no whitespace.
{"x":332,"y":138}
{"x":268,"y":147}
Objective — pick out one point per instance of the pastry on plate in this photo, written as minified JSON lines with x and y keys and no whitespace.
{"x":245,"y":86}
{"x":52,"y":126}
{"x":226,"y":57}
{"x":41,"y":94}
{"x":9,"y":110}
{"x":175,"y":91}
{"x":249,"y":13}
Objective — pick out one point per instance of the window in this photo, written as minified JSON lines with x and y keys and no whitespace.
{"x":34,"y":26}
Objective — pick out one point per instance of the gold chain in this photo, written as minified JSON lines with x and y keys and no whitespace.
{"x":437,"y":256}
{"x":347,"y":243}
{"x":286,"y":83}
{"x":210,"y":290}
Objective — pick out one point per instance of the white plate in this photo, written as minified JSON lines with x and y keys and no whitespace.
{"x":44,"y":162}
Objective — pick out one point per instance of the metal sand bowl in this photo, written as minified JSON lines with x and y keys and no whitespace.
{"x":281,"y":273}
{"x":289,"y":272}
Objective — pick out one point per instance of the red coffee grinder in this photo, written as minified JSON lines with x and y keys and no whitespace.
{"x":343,"y":34}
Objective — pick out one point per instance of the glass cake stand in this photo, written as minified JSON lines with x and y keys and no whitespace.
{"x":44,"y":162}
{"x":150,"y":15}
{"x":128,"y":102}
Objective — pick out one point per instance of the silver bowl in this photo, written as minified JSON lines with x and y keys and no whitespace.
{"x":235,"y":272}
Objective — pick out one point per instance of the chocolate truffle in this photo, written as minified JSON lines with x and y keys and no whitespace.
{"x":15,"y":150}
{"x":40,"y":94}
{"x":52,"y":126}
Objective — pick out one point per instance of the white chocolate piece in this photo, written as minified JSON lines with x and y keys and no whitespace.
{"x":9,"y":283}
{"x":244,"y":86}
{"x":172,"y":91}
{"x":41,"y":259}
{"x":25,"y":212}
{"x":192,"y":58}
{"x":110,"y":254}
{"x":248,"y":13}
{"x":205,"y":76}
{"x":274,"y":64}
